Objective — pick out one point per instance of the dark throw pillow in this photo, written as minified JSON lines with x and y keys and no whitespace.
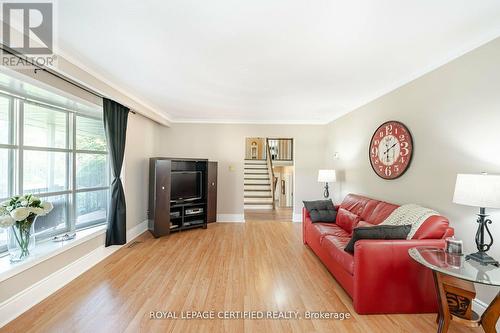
{"x":321,"y":210}
{"x":377,"y":232}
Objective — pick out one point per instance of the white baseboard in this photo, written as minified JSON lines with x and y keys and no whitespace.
{"x":479,"y":306}
{"x":238,"y":218}
{"x":23,"y":301}
{"x":297,"y":217}
{"x":137,"y":230}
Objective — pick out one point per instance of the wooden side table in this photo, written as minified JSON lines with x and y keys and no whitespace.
{"x":454,"y":278}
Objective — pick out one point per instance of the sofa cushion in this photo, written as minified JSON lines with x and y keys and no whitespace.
{"x":347,"y":220}
{"x":377,"y":232}
{"x":370,"y":210}
{"x":334,"y":246}
{"x":320,"y":230}
{"x":381,"y":211}
{"x":355,"y":203}
{"x":364,"y":224}
{"x":321,"y":210}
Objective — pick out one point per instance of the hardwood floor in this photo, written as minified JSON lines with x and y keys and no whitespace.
{"x":249,"y":266}
{"x":279,"y":214}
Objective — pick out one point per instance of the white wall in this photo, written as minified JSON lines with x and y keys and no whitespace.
{"x":140,"y":146}
{"x":225,"y":143}
{"x":454,"y":116}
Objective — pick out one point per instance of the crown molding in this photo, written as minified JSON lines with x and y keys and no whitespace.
{"x":248,"y":122}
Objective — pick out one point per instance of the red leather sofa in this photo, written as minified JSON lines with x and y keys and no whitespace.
{"x":380,"y":276}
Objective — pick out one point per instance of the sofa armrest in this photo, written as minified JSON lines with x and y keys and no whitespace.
{"x":387,"y":279}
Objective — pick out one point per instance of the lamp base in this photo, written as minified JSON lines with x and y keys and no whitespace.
{"x":482,"y":258}
{"x":326,"y":193}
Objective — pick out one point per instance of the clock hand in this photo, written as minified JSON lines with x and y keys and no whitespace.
{"x":394,"y":145}
{"x":386,"y":147}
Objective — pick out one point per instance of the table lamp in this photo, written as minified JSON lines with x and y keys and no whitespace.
{"x":326,"y":176}
{"x":483,"y":191}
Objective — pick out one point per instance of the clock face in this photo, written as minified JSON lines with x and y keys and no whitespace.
{"x":391,"y":150}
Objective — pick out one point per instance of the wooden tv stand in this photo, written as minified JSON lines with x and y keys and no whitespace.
{"x":166,"y":216}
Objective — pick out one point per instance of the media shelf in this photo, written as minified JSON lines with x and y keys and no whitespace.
{"x":187,"y":221}
{"x":180,"y":194}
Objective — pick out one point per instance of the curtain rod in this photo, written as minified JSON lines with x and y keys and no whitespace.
{"x":54,"y":73}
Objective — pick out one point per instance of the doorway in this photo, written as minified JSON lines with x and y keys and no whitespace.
{"x":269,"y":179}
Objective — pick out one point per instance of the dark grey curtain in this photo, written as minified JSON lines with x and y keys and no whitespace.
{"x":115,"y":126}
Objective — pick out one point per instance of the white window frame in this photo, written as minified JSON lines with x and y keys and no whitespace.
{"x":16,"y":161}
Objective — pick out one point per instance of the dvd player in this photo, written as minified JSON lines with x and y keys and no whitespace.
{"x":193,"y":211}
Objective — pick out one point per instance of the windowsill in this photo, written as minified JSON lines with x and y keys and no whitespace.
{"x":46,"y":250}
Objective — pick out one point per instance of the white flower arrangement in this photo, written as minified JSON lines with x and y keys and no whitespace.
{"x":22,"y":209}
{"x":19,"y":213}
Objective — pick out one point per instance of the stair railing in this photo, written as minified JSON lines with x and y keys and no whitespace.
{"x":281,"y":148}
{"x":270,"y":171}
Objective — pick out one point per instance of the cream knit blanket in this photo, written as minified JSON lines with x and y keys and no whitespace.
{"x":409,"y":214}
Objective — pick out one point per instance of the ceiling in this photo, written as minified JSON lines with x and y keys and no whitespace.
{"x":267,"y":61}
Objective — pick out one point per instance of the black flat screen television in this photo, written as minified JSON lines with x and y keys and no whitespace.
{"x":186,"y":186}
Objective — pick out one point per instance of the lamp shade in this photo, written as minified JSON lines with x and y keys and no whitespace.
{"x":326,"y":176}
{"x":478,"y":190}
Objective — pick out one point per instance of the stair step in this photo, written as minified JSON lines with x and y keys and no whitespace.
{"x":257,"y":192}
{"x":257,"y":196}
{"x":259,"y":176}
{"x":255,"y":166}
{"x":259,"y":170}
{"x":256,"y":187}
{"x":257,"y":181}
{"x":264,"y":200}
{"x":255,"y":173}
{"x":260,"y":194}
{"x":258,"y":202}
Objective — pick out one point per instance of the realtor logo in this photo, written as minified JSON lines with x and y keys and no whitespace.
{"x":28,"y":27}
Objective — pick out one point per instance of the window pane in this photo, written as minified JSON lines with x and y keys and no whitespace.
{"x":4,"y":120}
{"x":44,"y":171}
{"x":91,"y":206}
{"x":5,"y":168}
{"x":56,"y":219}
{"x":44,"y":127}
{"x":91,"y":170}
{"x":90,"y":134}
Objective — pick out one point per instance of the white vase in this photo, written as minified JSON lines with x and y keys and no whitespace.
{"x":21,"y":239}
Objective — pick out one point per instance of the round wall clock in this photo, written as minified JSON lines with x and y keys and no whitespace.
{"x":391,"y":150}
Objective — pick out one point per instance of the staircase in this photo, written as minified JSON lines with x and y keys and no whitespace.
{"x":257,"y":185}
